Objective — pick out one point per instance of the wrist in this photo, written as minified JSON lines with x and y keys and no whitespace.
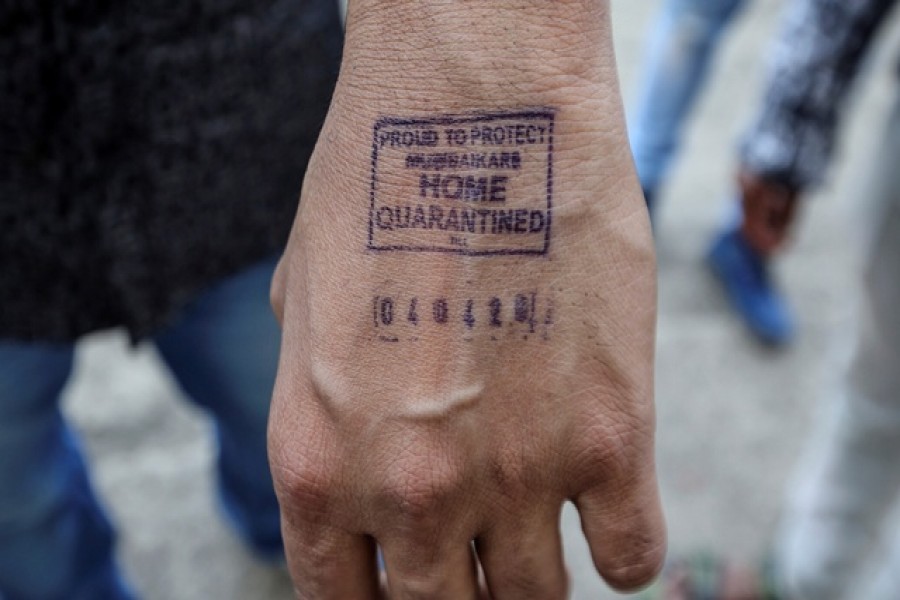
{"x":441,"y":64}
{"x":472,"y":55}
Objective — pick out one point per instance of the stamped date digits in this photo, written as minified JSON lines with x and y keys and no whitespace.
{"x":525,"y":314}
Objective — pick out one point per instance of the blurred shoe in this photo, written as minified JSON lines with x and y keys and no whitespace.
{"x":745,"y":276}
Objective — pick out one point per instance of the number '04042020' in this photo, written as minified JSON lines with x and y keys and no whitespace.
{"x":525,"y":312}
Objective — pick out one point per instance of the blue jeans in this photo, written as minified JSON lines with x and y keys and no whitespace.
{"x":55,"y":540}
{"x":680,"y":50}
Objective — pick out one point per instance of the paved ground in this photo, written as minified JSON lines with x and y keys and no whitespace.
{"x":732,"y":415}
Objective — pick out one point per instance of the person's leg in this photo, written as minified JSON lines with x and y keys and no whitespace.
{"x":850,"y":477}
{"x":55,"y":541}
{"x":680,"y":50}
{"x":223,"y":350}
{"x":885,"y":585}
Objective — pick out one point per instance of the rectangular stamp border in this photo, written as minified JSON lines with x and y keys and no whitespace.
{"x":544,"y":114}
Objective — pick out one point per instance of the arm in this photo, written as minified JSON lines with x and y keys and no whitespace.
{"x":815,"y":61}
{"x":789,"y":146}
{"x":468,"y":305}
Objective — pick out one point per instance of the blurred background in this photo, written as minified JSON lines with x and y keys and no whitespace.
{"x":733,"y":414}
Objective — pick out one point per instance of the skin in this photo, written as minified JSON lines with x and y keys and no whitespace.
{"x":769,"y":209}
{"x":455,"y":450}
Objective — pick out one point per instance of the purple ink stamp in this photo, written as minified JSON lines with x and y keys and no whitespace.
{"x":477,"y":185}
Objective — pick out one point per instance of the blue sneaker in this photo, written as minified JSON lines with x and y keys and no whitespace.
{"x":744,"y":275}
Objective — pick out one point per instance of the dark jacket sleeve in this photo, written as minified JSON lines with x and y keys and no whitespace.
{"x":815,"y":59}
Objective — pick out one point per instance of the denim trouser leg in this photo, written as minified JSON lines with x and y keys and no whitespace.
{"x":681,"y":46}
{"x":223,"y":350}
{"x":55,"y":541}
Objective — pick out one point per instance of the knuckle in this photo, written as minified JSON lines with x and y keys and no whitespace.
{"x":304,"y":490}
{"x":303,"y":483}
{"x":610,"y":450}
{"x":419,"y":488}
{"x":600,"y":458}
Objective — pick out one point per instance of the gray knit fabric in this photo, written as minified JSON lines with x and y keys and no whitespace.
{"x":147,"y":149}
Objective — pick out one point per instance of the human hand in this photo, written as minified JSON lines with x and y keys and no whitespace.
{"x":450,"y":377}
{"x":769,"y":211}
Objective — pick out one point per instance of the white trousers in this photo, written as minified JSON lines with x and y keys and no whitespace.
{"x":835,"y":518}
